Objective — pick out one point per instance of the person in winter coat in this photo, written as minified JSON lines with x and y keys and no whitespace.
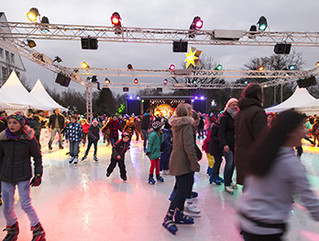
{"x":138,"y":130}
{"x":215,"y":150}
{"x":74,"y":134}
{"x":167,"y":148}
{"x":118,"y":155}
{"x":205,"y":148}
{"x":130,"y":127}
{"x":146,"y":124}
{"x":35,"y":124}
{"x":227,"y":141}
{"x":85,"y":127}
{"x":17,"y":146}
{"x":272,"y":183}
{"x":155,"y":139}
{"x":200,"y":127}
{"x":56,"y":124}
{"x":249,"y":123}
{"x":183,"y":162}
{"x":93,"y":137}
{"x":3,"y":126}
{"x":114,"y":127}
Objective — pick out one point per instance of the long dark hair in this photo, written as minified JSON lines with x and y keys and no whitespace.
{"x":265,"y":151}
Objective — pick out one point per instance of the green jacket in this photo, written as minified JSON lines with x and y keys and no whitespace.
{"x":154,"y":145}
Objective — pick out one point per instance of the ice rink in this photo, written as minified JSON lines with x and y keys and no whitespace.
{"x":78,"y":202}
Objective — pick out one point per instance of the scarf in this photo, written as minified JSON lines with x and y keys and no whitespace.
{"x":231,"y":112}
{"x":11,"y":135}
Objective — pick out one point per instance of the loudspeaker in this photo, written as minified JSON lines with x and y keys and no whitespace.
{"x":304,"y":83}
{"x":159,"y":90}
{"x":199,"y":105}
{"x":180,"y":46}
{"x":282,"y":48}
{"x":133,"y":106}
{"x":63,"y":80}
{"x":125,"y":89}
{"x":89,"y":43}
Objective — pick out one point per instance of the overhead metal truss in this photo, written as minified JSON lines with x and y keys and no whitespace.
{"x":153,"y":35}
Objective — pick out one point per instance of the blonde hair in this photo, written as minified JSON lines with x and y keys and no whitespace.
{"x":231,"y":100}
{"x":183,"y":109}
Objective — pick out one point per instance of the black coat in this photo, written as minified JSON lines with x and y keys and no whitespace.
{"x":15,"y":157}
{"x":94,"y":134}
{"x":119,"y":149}
{"x":146,"y":122}
{"x":214,"y":145}
{"x":36,"y":126}
{"x":226,"y":131}
{"x":61,"y":121}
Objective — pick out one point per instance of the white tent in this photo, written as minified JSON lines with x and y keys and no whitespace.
{"x":41,"y":95}
{"x":299,"y":99}
{"x":13,"y":93}
{"x":311,"y":108}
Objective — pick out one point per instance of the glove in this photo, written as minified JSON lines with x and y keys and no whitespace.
{"x":36,"y":181}
{"x":148,"y":154}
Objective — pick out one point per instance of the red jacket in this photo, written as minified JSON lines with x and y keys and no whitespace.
{"x":206,"y":141}
{"x":85,"y":128}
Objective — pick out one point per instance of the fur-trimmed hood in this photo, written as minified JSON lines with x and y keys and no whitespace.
{"x":177,"y":122}
{"x":28,"y":134}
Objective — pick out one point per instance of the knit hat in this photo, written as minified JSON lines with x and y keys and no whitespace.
{"x":125,"y":134}
{"x":95,"y":121}
{"x":20,"y":118}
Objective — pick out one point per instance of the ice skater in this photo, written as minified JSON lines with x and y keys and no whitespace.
{"x":16,"y":170}
{"x":74,"y":133}
{"x":118,"y":155}
{"x":155,"y":138}
{"x":94,"y":136}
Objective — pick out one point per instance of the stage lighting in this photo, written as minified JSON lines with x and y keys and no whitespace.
{"x":195,"y":25}
{"x":196,"y":97}
{"x":33,"y":14}
{"x":94,"y":79}
{"x":262,"y":23}
{"x":136,"y":81}
{"x":165,"y":81}
{"x":292,"y":67}
{"x":246,"y":82}
{"x":253,"y":28}
{"x":138,"y":98}
{"x":202,"y":98}
{"x":31,"y":43}
{"x":85,"y":65}
{"x":57,"y":59}
{"x":116,"y":19}
{"x":107,"y":81}
{"x":172,"y":67}
{"x":219,"y":67}
{"x":194,"y":82}
{"x":261,"y":68}
{"x":45,"y":29}
{"x":129,"y":66}
{"x":317,"y":64}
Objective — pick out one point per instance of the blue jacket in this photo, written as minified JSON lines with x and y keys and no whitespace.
{"x":74,"y":132}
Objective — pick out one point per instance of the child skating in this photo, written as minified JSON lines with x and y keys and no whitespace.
{"x":118,"y":155}
{"x":155,"y":138}
{"x":17,"y":146}
{"x":94,"y":136}
{"x":74,"y":134}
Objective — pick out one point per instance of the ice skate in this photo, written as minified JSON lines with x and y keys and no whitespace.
{"x":83,"y":158}
{"x":172,"y":195}
{"x":194,"y":195}
{"x":75,"y":160}
{"x":151,"y":180}
{"x":229,"y":190}
{"x":214,"y":180}
{"x":95,"y":158}
{"x":71,"y":159}
{"x":159,"y":178}
{"x":13,"y":232}
{"x":181,"y":218}
{"x":169,"y":223}
{"x":190,"y":209}
{"x":38,"y":233}
{"x":108,"y":174}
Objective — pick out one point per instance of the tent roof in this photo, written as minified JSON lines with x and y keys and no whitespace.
{"x":18,"y":95}
{"x":41,"y":95}
{"x":300,"y":98}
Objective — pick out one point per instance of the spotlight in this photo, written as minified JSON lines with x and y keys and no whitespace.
{"x":292,"y":67}
{"x":94,"y":79}
{"x":136,"y":81}
{"x":57,"y":59}
{"x":116,"y":19}
{"x":253,"y":28}
{"x":107,"y":81}
{"x":194,"y":82}
{"x":33,"y":14}
{"x":138,"y":98}
{"x":246,"y":82}
{"x":31,"y":43}
{"x":261,"y":68}
{"x":262,"y":23}
{"x":172,"y":67}
{"x":129,"y":66}
{"x":202,"y":98}
{"x":85,"y":65}
{"x":165,"y":81}
{"x":195,"y":25}
{"x":196,"y":97}
{"x":219,"y":67}
{"x":45,"y":20}
{"x":317,"y":64}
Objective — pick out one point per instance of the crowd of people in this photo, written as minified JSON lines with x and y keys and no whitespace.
{"x":258,"y":145}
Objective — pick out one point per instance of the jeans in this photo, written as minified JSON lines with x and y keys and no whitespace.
{"x":89,"y":147}
{"x":184,"y":185}
{"x":113,"y":140}
{"x":229,"y":167}
{"x":74,"y":148}
{"x":255,"y":237}
{"x":53,"y":133}
{"x":8,"y":190}
{"x":164,"y":160}
{"x":145,"y":137}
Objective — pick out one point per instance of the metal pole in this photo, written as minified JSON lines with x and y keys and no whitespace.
{"x":274,"y":94}
{"x":281,"y":93}
{"x":89,"y":112}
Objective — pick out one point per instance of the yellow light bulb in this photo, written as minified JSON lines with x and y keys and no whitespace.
{"x":84,"y":65}
{"x":31,"y":16}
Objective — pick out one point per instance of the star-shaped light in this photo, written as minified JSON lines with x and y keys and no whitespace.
{"x":192,"y":58}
